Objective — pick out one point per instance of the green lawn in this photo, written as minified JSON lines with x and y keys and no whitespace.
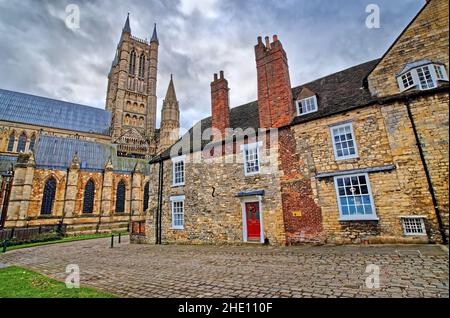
{"x":64,"y":240}
{"x":16,"y":282}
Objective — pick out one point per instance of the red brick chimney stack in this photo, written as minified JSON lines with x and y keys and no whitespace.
{"x":275,"y":100}
{"x":220,"y":105}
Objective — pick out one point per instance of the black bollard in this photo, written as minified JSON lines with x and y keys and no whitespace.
{"x":120,"y":238}
{"x":5,"y":245}
{"x":112,"y":240}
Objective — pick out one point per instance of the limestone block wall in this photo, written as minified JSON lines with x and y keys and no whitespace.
{"x":28,"y":189}
{"x":213,"y":213}
{"x":431,"y":115}
{"x":383,"y":137}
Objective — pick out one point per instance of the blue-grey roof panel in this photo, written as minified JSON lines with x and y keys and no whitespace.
{"x":57,"y":153}
{"x":41,"y":111}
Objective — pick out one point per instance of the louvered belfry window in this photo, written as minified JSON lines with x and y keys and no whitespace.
{"x":48,"y":197}
{"x":120,"y":198}
{"x":146,"y":195}
{"x":88,"y":202}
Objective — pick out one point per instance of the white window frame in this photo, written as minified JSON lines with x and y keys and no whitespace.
{"x":173,"y":200}
{"x":252,"y":146}
{"x":433,"y":76}
{"x":332,"y":128}
{"x":356,"y":217}
{"x":174,"y":162}
{"x":420,"y":217}
{"x":432,"y":69}
{"x":299,"y":105}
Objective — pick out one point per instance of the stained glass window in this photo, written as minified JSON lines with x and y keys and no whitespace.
{"x":120,"y":197}
{"x":12,"y":140}
{"x":88,"y":201}
{"x":22,"y":143}
{"x":48,"y":197}
{"x":146,"y":195}
{"x":32,"y":142}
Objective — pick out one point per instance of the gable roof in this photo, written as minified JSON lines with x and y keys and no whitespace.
{"x":335,"y":93}
{"x":57,"y":152}
{"x":41,"y":111}
{"x":338,"y":92}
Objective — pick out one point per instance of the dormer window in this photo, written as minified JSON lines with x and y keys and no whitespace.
{"x":307,"y":105}
{"x":421,"y":75}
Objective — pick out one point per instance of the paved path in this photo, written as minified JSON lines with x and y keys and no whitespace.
{"x":243,"y":271}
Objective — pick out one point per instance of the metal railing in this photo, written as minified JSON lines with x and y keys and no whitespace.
{"x":27,"y":233}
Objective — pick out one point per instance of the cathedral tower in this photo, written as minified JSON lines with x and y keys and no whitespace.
{"x":131,"y":95}
{"x":170,"y":119}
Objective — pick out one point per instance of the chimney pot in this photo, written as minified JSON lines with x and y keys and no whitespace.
{"x":259,"y":40}
{"x":221,"y":74}
{"x":215,"y":76}
{"x":275,"y":38}
{"x":267,"y":42}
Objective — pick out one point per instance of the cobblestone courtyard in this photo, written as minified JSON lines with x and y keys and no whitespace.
{"x":243,"y":271}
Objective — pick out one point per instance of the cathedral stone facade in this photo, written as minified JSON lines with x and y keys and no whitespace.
{"x":87,"y":168}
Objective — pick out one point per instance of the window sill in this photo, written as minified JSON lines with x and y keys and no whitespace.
{"x":353,"y":158}
{"x":178,"y":185}
{"x":252,"y":174}
{"x":177,"y":228}
{"x":359,"y":219}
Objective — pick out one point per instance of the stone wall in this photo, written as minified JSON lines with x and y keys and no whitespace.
{"x":384,"y":137}
{"x":431,"y":116}
{"x":213,"y":213}
{"x":27,"y":194}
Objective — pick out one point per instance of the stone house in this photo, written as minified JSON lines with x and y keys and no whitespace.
{"x":359,"y":156}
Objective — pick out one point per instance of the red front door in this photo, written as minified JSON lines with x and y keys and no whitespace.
{"x":253,"y":221}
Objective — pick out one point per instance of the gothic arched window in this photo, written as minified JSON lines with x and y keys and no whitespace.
{"x":132,"y":68}
{"x":134,"y":120}
{"x":48,"y":197}
{"x":142,"y":65}
{"x":141,"y":121}
{"x":120,"y":197}
{"x":127,"y":119}
{"x":22,"y":142}
{"x":88,"y":201}
{"x":146,"y":195}
{"x":32,"y":142}
{"x":12,"y":140}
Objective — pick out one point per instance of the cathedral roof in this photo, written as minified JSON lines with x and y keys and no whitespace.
{"x":40,"y":111}
{"x":57,"y":153}
{"x":335,"y":93}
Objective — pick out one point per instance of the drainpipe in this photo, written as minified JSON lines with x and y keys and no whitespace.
{"x":427,"y":172}
{"x":160,"y":201}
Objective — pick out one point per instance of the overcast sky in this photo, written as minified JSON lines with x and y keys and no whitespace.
{"x":40,"y":55}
